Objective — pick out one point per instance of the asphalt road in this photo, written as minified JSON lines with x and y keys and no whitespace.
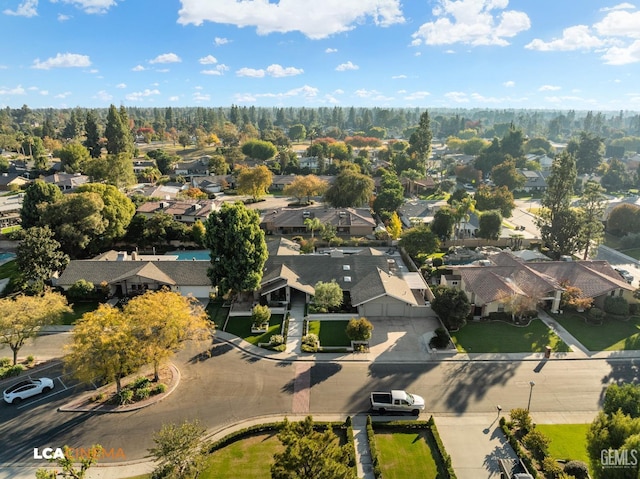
{"x":231,"y":386}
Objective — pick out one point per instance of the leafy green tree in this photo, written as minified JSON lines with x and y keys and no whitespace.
{"x":179,"y":450}
{"x":512,"y":143}
{"x":419,"y":240}
{"x":117,"y":212}
{"x":557,"y":222}
{"x":489,"y":157}
{"x":311,"y":454}
{"x":495,"y":198}
{"x":306,"y":186}
{"x":312,"y":225}
{"x":616,"y":177}
{"x":297,"y":132}
{"x":490,"y":223}
{"x":349,"y":189}
{"x":420,"y":140}
{"x":588,"y":150}
{"x":22,"y":317}
{"x":443,"y":223}
{"x":327,"y":295}
{"x":92,"y":135}
{"x":163,"y":160}
{"x":340,"y":151}
{"x":117,"y":132}
{"x":359,"y":329}
{"x":198,"y":232}
{"x":624,"y":397}
{"x":37,"y":195}
{"x":592,"y":204}
{"x":612,"y":431}
{"x":451,"y":305}
{"x":218,"y":165}
{"x":259,"y":150}
{"x":254,"y":181}
{"x":238,"y":248}
{"x":328,"y":233}
{"x":537,"y":443}
{"x":390,"y":197}
{"x":505,"y":174}
{"x":394,"y":228}
{"x":73,"y":157}
{"x":38,"y":257}
{"x":624,"y":219}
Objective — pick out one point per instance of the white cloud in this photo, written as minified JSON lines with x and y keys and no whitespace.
{"x":19,"y":90}
{"x":208,"y":60}
{"x":509,"y":84}
{"x":63,"y":60}
{"x":278,"y":71}
{"x":218,"y":41}
{"x":138,"y":68}
{"x":338,"y":92}
{"x":331,"y":99}
{"x":549,"y":88}
{"x":166,"y":58}
{"x":331,"y":50}
{"x":329,"y":17}
{"x":567,"y":99}
{"x":250,"y":72}
{"x":417,"y":95}
{"x":44,"y":92}
{"x":121,"y":85}
{"x":623,"y":55}
{"x":90,"y":6}
{"x":211,"y":72}
{"x":198,"y":97}
{"x":364,"y":93}
{"x":399,"y":77}
{"x":174,"y":98}
{"x":163,"y":70}
{"x":63,"y":18}
{"x":621,"y":6}
{"x":63,"y":95}
{"x":28,"y":9}
{"x":457,"y":96}
{"x":573,"y":38}
{"x":306,"y":91}
{"x":620,"y":24}
{"x":140,"y":95}
{"x":472,"y":22}
{"x":245,"y":98}
{"x":347,"y":66}
{"x":274,"y":70}
{"x":103,"y":96}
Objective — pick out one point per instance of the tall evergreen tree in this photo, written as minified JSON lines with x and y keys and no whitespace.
{"x":117,"y":132}
{"x":592,"y":204}
{"x":92,"y":134}
{"x":37,"y":193}
{"x":420,"y":140}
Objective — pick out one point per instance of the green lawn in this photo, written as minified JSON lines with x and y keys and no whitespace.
{"x":78,"y":310}
{"x":217,"y":313}
{"x":330,"y":333}
{"x":9,"y":269}
{"x":633,"y":252}
{"x":241,"y":326}
{"x":568,"y":441}
{"x":250,"y":457}
{"x":499,"y":337}
{"x":611,"y":335}
{"x":405,"y":455}
{"x":10,"y":229}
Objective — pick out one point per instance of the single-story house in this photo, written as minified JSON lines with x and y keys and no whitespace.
{"x":534,"y":180}
{"x":214,"y":183}
{"x":67,"y":181}
{"x":192,"y":168}
{"x":347,"y":221}
{"x":184,"y":211}
{"x":13,"y":181}
{"x":141,"y":165}
{"x":128,"y":275}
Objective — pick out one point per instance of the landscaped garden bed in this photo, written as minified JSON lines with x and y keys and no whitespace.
{"x":502,"y":337}
{"x":241,"y":327}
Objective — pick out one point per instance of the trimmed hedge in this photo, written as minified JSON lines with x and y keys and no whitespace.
{"x":515,"y":444}
{"x":373,"y":449}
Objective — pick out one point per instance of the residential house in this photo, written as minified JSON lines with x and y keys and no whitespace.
{"x":165,"y":192}
{"x":493,"y":285}
{"x":544,"y":161}
{"x":214,"y":183}
{"x":534,"y":180}
{"x":67,"y":181}
{"x":189,"y":169}
{"x":10,"y":207}
{"x":347,"y":221}
{"x":372,"y":285}
{"x":140,"y":165}
{"x":128,"y":275}
{"x":184,"y":211}
{"x":415,"y":212}
{"x":13,"y":181}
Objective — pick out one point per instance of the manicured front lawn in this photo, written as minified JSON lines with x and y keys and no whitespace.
{"x":249,"y":457}
{"x":500,"y":337}
{"x":330,"y":333}
{"x":633,"y":252}
{"x":405,"y":455}
{"x":568,"y":441}
{"x":611,"y":335}
{"x":217,"y":313}
{"x":78,"y":310}
{"x":241,"y":326}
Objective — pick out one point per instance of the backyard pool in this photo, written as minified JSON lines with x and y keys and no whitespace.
{"x":5,"y":257}
{"x":188,"y":255}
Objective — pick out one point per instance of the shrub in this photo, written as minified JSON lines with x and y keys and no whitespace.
{"x":4,"y":362}
{"x":276,"y":339}
{"x":260,"y":315}
{"x":537,"y":443}
{"x":521,"y":419}
{"x":359,"y":329}
{"x":141,"y":394}
{"x":310,"y":339}
{"x":159,"y":389}
{"x":125,"y":396}
{"x":30,"y":359}
{"x":81,"y":289}
{"x":11,"y":371}
{"x":140,"y":382}
{"x":577,"y":469}
{"x":436,"y":262}
{"x":616,"y":305}
{"x":596,"y":314}
{"x":440,"y":340}
{"x":551,"y":468}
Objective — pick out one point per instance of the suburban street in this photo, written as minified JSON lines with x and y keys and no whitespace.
{"x":231,"y":385}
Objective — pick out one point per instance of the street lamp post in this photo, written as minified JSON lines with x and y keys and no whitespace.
{"x":531,"y":384}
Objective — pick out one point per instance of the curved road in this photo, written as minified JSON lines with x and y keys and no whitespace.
{"x":231,"y":386}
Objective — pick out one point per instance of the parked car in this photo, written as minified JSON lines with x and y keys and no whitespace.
{"x":26,"y":389}
{"x":628,"y":277}
{"x":396,"y":401}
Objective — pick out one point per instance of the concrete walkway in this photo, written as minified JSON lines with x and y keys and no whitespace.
{"x":296,"y":326}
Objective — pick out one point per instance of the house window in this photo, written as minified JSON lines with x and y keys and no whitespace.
{"x":177,"y":217}
{"x":501,"y":308}
{"x":619,"y":292}
{"x":613,"y":293}
{"x":454,"y":283}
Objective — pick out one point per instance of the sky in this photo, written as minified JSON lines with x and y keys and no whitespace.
{"x":531,"y":54}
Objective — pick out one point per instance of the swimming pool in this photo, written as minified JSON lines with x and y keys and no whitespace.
{"x":4,"y":257}
{"x":188,"y":255}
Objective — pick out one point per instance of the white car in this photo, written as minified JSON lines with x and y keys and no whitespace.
{"x":27,"y":388}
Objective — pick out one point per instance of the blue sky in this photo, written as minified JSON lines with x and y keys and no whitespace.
{"x":534,"y":54}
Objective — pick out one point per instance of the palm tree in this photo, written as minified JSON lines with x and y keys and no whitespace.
{"x":312,"y":224}
{"x":462,"y":209}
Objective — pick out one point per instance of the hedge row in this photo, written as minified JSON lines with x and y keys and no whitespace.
{"x":446,"y":458}
{"x":515,"y":444}
{"x":373,"y":449}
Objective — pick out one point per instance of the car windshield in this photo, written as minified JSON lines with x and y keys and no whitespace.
{"x":410,"y":398}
